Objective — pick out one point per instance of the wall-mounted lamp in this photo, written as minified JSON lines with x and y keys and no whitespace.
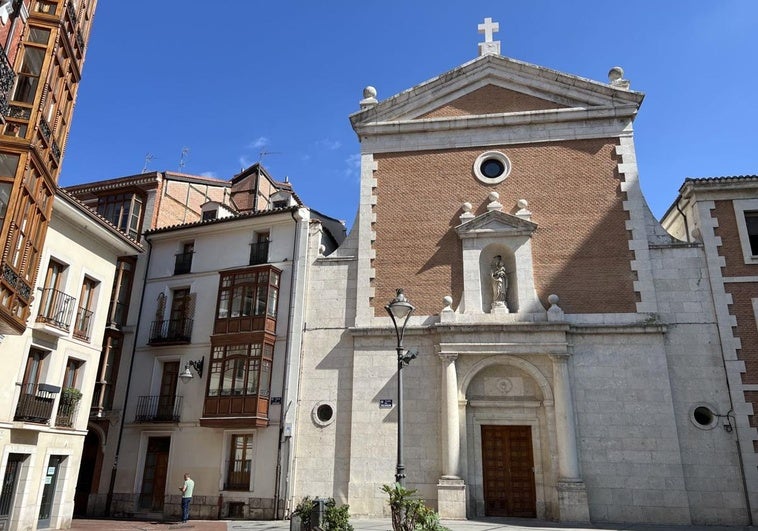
{"x":186,"y":375}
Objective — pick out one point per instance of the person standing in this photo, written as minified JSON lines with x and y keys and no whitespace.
{"x":187,"y":488}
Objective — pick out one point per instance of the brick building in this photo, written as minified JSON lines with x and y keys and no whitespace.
{"x":721,"y":215}
{"x":567,"y":346}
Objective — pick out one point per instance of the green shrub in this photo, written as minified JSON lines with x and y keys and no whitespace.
{"x":336,"y":518}
{"x":410,"y":513}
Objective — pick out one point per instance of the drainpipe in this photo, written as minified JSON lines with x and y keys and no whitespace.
{"x":109,"y":497}
{"x":296,"y":259}
{"x":684,"y":216}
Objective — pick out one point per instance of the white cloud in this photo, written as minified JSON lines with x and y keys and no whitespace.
{"x":210,"y":174}
{"x":258,"y":143}
{"x":329,"y":144}
{"x":244,"y":162}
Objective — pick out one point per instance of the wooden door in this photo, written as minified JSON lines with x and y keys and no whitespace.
{"x":508,"y":471}
{"x":154,"y":477}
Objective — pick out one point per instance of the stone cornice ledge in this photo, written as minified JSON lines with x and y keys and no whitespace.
{"x":497,"y":120}
{"x":642,"y":328}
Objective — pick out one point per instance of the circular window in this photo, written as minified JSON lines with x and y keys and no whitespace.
{"x":703,"y":417}
{"x":323,"y":414}
{"x":492,"y":167}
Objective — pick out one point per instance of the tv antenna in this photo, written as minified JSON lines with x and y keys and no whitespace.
{"x":148,"y":159}
{"x":264,"y":153}
{"x":183,"y":158}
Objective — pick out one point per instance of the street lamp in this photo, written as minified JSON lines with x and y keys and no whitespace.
{"x":400,"y":311}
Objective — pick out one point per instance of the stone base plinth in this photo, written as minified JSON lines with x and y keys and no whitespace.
{"x":451,"y":498}
{"x":572,"y":501}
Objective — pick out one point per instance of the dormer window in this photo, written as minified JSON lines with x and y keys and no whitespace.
{"x":279,"y":204}
{"x":210,"y":214}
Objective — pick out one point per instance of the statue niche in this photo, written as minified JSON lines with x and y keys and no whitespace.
{"x":497,"y":267}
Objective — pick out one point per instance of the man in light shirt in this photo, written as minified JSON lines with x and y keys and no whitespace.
{"x":186,"y":489}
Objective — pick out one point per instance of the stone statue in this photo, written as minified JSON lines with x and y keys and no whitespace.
{"x":499,"y":282}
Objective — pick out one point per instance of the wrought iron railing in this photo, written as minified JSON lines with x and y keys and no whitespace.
{"x":56,"y":309}
{"x":7,"y":77}
{"x":14,"y":280}
{"x":238,"y":475}
{"x":71,"y":11}
{"x":55,"y":150}
{"x":83,"y":323}
{"x":171,"y":330}
{"x":183,"y":263}
{"x":158,"y":408}
{"x":67,"y":410}
{"x":259,"y":253}
{"x":44,"y":128}
{"x":80,"y":40}
{"x":36,"y":403}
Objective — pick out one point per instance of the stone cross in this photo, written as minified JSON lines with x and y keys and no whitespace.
{"x":488,"y":28}
{"x":489,"y":46}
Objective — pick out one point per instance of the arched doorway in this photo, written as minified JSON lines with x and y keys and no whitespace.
{"x":89,"y":472}
{"x":510,"y":438}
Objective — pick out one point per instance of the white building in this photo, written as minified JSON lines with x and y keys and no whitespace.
{"x":578,"y":392}
{"x":51,"y":369}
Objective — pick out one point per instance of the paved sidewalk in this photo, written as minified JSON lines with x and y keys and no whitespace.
{"x":488,"y":524}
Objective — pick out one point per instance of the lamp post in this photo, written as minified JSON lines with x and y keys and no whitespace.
{"x":400,"y":311}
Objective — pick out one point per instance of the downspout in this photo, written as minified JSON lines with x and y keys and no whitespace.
{"x":285,"y":377}
{"x":109,"y":496}
{"x":684,"y":217}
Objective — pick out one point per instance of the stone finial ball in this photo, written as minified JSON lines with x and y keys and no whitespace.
{"x":553,"y":299}
{"x":615,"y":73}
{"x":522,"y":203}
{"x":369,"y":92}
{"x":467,"y":207}
{"x":447,"y":300}
{"x":493,"y":196}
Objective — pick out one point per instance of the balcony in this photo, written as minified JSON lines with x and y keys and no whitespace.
{"x":259,"y":253}
{"x":183,"y":263}
{"x":68,"y":407}
{"x":57,"y":308}
{"x":36,"y":403}
{"x":171,"y":331}
{"x":7,"y":77}
{"x":83,"y":324}
{"x":158,"y":408}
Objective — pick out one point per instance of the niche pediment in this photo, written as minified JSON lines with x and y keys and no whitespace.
{"x":495,"y":224}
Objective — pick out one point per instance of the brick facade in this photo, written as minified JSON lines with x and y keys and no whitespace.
{"x":580,"y":247}
{"x":491,"y":99}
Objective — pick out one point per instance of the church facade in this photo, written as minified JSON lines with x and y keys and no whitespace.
{"x":567,"y":344}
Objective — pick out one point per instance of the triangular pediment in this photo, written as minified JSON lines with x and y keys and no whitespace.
{"x":493,"y":223}
{"x":491,"y":99}
{"x":492,"y":85}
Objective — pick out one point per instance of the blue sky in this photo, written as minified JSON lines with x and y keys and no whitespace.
{"x":235,"y":81}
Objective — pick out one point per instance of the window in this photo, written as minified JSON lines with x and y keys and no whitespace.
{"x":751,"y":221}
{"x":746,"y":219}
{"x":83,"y":325}
{"x":122,"y":290}
{"x":259,"y":248}
{"x":210,"y":214}
{"x":178,"y":327}
{"x":35,"y":403}
{"x":248,"y":293}
{"x":8,"y":167}
{"x":183,"y":262}
{"x":56,"y":307}
{"x":27,"y":81}
{"x":240,"y":370}
{"x":107,"y":373}
{"x":492,"y":167}
{"x":240,"y":462}
{"x":71,"y":375}
{"x":124,"y":211}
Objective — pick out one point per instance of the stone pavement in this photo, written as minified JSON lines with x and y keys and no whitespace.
{"x":485,"y":524}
